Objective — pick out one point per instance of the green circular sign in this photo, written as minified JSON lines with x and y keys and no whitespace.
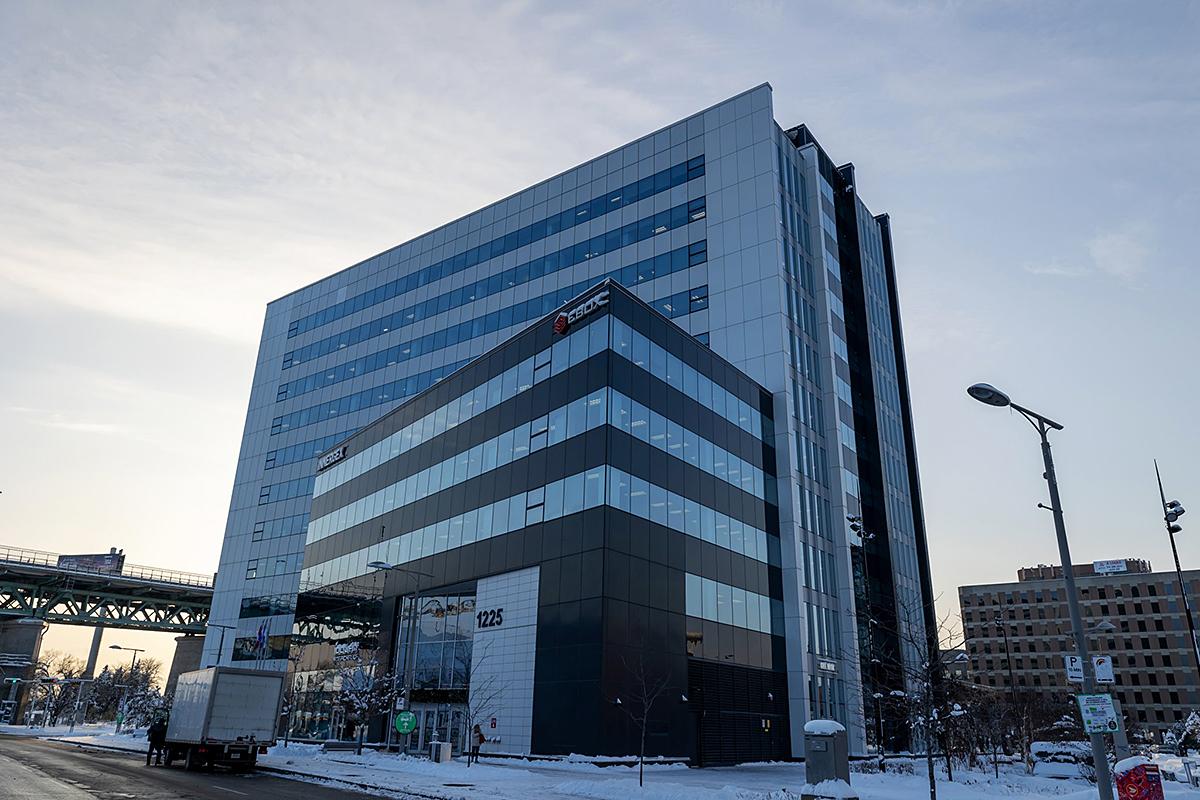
{"x":406,"y":722}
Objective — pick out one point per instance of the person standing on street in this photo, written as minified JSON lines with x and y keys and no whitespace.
{"x":477,"y":740}
{"x":157,"y":737}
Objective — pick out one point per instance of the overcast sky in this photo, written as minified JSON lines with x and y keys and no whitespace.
{"x":167,"y":169}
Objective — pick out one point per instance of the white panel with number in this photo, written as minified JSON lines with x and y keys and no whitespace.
{"x":502,"y":659}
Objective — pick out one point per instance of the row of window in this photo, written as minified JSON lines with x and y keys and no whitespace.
{"x":672,"y":438}
{"x":648,"y":500}
{"x":553,"y":501}
{"x":268,"y":567}
{"x":277,"y":528}
{"x":368,"y":398}
{"x":305,"y":450}
{"x":576,"y":493}
{"x":581,"y":344}
{"x":608,"y":242}
{"x":667,"y":367}
{"x":267,"y":606}
{"x":632,"y":275}
{"x":674,"y":306}
{"x":720,"y":602}
{"x":274,"y":492}
{"x":629,"y":194}
{"x":562,"y":423}
{"x":577,"y":417}
{"x":823,"y":631}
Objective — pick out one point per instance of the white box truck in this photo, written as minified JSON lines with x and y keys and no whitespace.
{"x":225,"y":716}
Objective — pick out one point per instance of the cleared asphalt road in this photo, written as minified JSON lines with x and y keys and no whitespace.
{"x":32,"y":769}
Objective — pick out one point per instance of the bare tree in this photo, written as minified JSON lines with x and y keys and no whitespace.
{"x":648,"y":687}
{"x":1033,"y":715}
{"x":927,"y":700}
{"x":485,"y":693}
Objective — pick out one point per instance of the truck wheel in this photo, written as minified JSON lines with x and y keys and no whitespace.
{"x":168,"y":756}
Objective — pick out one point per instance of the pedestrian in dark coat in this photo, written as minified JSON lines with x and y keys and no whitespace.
{"x":157,"y":737}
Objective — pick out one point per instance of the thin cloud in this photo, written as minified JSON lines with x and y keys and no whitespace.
{"x":1121,"y":253}
{"x":53,"y":419}
{"x":106,"y":428}
{"x":1058,"y":268}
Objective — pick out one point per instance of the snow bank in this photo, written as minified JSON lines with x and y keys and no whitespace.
{"x":826,"y":727}
{"x":833,"y":788}
{"x":1129,"y":764}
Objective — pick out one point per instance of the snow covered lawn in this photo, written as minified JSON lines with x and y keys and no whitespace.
{"x":503,"y":779}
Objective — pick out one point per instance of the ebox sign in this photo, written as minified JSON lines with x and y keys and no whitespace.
{"x":331,"y":458}
{"x":565,"y":320}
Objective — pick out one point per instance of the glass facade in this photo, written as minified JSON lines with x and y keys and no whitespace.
{"x":619,"y":426}
{"x":743,"y":234}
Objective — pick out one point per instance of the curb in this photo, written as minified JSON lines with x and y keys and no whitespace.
{"x":357,"y":784}
{"x":274,"y":770}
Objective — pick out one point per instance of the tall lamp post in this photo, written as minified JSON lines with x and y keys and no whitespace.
{"x":132,"y":670}
{"x":1012,"y":683}
{"x":1172,"y":511}
{"x":990,"y":395}
{"x":221,"y":639}
{"x":409,"y":647}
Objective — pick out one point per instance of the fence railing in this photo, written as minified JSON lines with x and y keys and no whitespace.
{"x":40,"y":558}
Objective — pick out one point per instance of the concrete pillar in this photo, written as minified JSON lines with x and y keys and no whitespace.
{"x":84,"y":696}
{"x":188,"y":650}
{"x":20,"y":647}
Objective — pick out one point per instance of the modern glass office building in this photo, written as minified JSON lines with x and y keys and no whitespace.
{"x":745,"y":235}
{"x":591,"y":504}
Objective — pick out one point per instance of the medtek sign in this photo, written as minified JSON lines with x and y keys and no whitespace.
{"x":331,"y":458}
{"x":565,"y":320}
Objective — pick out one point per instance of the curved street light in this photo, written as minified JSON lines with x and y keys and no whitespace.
{"x":990,"y":395}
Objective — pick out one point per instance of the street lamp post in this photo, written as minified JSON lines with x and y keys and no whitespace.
{"x":132,"y":670}
{"x":992,"y":396}
{"x":1172,"y":511}
{"x":409,"y":647}
{"x":1012,"y":683}
{"x":221,"y":640}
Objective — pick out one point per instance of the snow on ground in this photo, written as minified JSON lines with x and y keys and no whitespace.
{"x":509,"y":779}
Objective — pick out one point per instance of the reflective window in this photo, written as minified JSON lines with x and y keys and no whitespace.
{"x":719,"y":602}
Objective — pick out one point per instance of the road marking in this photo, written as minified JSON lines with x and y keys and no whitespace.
{"x":223,"y":789}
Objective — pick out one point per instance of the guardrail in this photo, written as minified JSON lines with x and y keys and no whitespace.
{"x":40,"y":558}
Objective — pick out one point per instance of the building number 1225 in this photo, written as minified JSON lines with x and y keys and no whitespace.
{"x":491,"y":618}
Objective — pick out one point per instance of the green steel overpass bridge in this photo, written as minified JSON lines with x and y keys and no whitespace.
{"x":99,"y":592}
{"x":62,"y":590}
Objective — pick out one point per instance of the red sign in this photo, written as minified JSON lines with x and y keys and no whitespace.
{"x":1142,"y":782}
{"x":568,"y":318}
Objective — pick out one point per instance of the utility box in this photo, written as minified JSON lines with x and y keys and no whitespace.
{"x":826,"y":752}
{"x":440,"y":752}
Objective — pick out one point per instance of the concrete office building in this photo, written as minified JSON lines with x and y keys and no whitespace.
{"x":749,"y":238}
{"x":1153,"y":661}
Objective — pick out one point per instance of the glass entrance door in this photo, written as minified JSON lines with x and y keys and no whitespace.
{"x":441,"y":722}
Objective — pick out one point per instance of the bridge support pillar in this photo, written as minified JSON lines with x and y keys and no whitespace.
{"x":188,"y":650}
{"x":20,"y":647}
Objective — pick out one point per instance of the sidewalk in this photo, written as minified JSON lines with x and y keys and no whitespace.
{"x":398,"y":776}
